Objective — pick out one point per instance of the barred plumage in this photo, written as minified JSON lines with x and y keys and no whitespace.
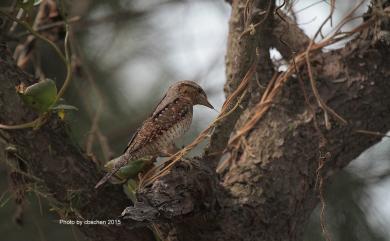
{"x":171,"y":119}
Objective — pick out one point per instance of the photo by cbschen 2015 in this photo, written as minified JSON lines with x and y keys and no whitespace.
{"x":90,"y":222}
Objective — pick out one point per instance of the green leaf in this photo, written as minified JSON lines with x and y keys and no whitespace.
{"x":131,"y":170}
{"x":130,"y":189}
{"x":39,"y":96}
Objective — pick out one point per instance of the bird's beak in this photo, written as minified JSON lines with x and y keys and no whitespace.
{"x":206,"y":103}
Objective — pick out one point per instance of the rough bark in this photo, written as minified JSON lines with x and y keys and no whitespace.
{"x":268,"y":190}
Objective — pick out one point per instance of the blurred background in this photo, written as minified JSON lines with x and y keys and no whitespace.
{"x":129,"y":52}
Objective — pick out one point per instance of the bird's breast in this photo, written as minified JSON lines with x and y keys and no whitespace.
{"x":181,"y":124}
{"x":161,"y":130}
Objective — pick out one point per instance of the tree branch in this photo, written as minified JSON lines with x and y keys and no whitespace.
{"x":67,"y":175}
{"x":243,"y":51}
{"x":289,"y":39}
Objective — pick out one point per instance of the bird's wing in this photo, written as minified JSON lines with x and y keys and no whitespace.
{"x":166,"y":116}
{"x":160,"y":106}
{"x":131,"y":140}
{"x":166,"y":100}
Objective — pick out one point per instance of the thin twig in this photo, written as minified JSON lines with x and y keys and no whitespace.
{"x":372,"y":133}
{"x":320,"y":185}
{"x":50,"y":26}
{"x":36,"y":34}
{"x":19,"y":126}
{"x":68,"y":66}
{"x":65,"y":58}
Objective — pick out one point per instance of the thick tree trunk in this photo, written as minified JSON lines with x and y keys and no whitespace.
{"x":269,"y":186}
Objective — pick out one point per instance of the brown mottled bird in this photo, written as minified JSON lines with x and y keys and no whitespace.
{"x":171,"y":119}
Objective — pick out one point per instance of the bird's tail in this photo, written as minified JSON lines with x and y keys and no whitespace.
{"x":118,"y":165}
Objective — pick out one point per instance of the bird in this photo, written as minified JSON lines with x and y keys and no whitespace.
{"x":171,"y":119}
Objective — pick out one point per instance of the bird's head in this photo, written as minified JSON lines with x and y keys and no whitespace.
{"x":191,"y":91}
